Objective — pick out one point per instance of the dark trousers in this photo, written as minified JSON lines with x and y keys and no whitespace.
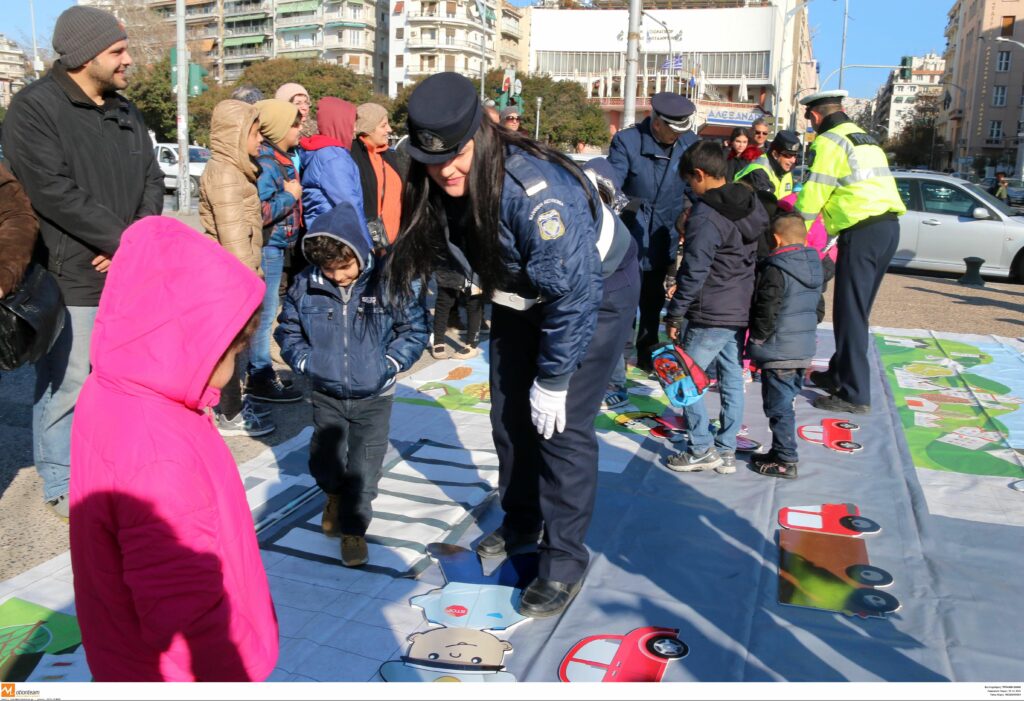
{"x":231,"y":394}
{"x":350,"y":438}
{"x":864,"y":255}
{"x":447,"y":299}
{"x":552,"y":482}
{"x":779,"y":387}
{"x":652,"y":299}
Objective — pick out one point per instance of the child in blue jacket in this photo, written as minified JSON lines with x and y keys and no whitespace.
{"x":339,"y":328}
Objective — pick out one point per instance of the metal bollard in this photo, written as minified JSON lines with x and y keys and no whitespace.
{"x":973,"y":275}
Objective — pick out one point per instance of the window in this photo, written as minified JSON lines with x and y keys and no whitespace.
{"x":908,"y":193}
{"x":450,"y":8}
{"x":999,"y":96}
{"x":1006,"y":30}
{"x":400,"y":33}
{"x":995,"y":129}
{"x":1003,"y":62}
{"x":399,"y":61}
{"x":355,"y":37}
{"x":940,"y":198}
{"x":355,"y":11}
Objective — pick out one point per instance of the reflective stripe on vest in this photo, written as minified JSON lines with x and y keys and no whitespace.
{"x":780,"y":186}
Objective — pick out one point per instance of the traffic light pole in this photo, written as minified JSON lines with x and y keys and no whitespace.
{"x":184,"y":182}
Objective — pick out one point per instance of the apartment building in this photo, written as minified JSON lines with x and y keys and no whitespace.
{"x":897,"y":99}
{"x":12,"y":70}
{"x":983,"y":85}
{"x":738,"y":59}
{"x":229,"y":35}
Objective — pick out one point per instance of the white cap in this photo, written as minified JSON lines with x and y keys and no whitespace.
{"x":824,"y":96}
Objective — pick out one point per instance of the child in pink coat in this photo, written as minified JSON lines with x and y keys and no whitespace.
{"x":169,"y":584}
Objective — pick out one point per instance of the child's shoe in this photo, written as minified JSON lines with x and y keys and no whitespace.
{"x":465,"y":353}
{"x":354,"y":552}
{"x":245,"y":424}
{"x":614,"y":399}
{"x":686,"y":461}
{"x":439,"y":351}
{"x":330,"y":522}
{"x":771,"y":466}
{"x":728,"y":465}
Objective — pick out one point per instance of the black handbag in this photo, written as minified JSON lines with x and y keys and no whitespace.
{"x":31,"y":318}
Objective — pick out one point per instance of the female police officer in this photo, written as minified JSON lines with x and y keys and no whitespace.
{"x":562,"y":273}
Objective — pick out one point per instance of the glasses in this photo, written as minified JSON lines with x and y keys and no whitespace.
{"x":761,"y":133}
{"x":511,"y":119}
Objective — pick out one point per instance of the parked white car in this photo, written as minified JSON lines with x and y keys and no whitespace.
{"x":949,"y":219}
{"x":167,"y":158}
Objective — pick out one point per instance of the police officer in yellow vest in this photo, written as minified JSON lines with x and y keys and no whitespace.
{"x":851,"y":186}
{"x":773,"y":171}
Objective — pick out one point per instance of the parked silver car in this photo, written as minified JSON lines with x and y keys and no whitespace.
{"x":949,"y":219}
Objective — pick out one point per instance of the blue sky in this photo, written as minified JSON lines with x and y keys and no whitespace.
{"x":880,"y":32}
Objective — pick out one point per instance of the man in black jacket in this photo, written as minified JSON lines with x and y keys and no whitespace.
{"x":85,"y":159}
{"x":713,"y":289}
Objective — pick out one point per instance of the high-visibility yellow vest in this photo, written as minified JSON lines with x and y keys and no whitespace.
{"x":783,"y":186}
{"x":849,"y":180}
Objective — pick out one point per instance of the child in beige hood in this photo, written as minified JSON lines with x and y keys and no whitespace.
{"x":229,"y":203}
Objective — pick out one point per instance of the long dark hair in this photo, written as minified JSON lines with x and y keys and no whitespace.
{"x":421,"y":242}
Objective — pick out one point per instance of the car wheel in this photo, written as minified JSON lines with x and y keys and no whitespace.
{"x":872,"y":601}
{"x":1017,"y":269}
{"x":848,"y":445}
{"x":849,"y":426}
{"x":870,"y":575}
{"x":667,"y":648}
{"x":859,"y":524}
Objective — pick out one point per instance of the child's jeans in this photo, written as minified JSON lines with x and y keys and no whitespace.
{"x":779,"y":387}
{"x":707,"y":344}
{"x":346,"y":454}
{"x":272,"y":264}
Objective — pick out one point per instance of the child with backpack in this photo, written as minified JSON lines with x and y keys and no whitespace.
{"x":340,"y":328}
{"x":788,"y":305}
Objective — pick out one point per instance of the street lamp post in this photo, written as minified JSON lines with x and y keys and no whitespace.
{"x":536,"y":125}
{"x":671,"y":57}
{"x":1018,"y":169}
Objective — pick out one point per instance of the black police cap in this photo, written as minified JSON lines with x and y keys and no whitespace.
{"x":785,"y":141}
{"x":444,"y":114}
{"x":672,"y":107}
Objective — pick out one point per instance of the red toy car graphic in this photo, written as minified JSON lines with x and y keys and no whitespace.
{"x":640,"y":656}
{"x":836,"y":519}
{"x":834,"y":434}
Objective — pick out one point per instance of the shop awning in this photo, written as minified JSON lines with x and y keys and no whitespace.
{"x":489,"y":13}
{"x":207,"y":44}
{"x":302,"y":6}
{"x":243,"y":41}
{"x":399,"y":6}
{"x":301,"y":27}
{"x":347,"y":23}
{"x":246,"y":18}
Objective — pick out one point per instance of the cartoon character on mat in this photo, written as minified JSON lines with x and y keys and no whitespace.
{"x":451,"y":655}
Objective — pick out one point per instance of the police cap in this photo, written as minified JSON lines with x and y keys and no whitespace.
{"x":675,"y":110}
{"x":824,"y":97}
{"x":444,"y":114}
{"x":786,"y":142}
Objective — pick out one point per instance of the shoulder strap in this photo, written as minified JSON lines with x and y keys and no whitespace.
{"x":525,"y":173}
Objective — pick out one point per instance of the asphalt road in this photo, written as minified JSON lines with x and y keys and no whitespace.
{"x":30,"y":534}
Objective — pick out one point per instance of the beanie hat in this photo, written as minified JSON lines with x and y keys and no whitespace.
{"x":369,"y":115}
{"x":289,"y":90}
{"x":276,"y":118}
{"x":82,"y":32}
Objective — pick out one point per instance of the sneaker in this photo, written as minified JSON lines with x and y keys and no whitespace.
{"x":270,"y":388}
{"x":260,"y":411}
{"x":822,"y":379}
{"x":439,"y":351}
{"x":833,"y":403}
{"x":771,"y":466}
{"x":60,"y":506}
{"x":354,"y":552}
{"x":728,"y":465}
{"x":330,"y":524}
{"x":686,"y":461}
{"x":502,"y":541}
{"x":614,"y":398}
{"x":245,"y":424}
{"x":465,"y":353}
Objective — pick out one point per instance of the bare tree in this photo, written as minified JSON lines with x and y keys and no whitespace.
{"x":150,"y":36}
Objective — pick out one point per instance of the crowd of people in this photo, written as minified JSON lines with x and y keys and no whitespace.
{"x":319,"y":235}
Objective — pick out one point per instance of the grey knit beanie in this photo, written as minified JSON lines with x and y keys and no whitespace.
{"x":82,"y":32}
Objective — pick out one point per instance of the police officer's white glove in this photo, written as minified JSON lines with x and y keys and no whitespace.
{"x":547,"y":410}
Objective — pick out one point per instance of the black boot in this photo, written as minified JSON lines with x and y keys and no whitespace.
{"x":502,"y":540}
{"x":546,"y":597}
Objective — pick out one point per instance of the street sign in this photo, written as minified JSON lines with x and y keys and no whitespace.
{"x":518,"y":89}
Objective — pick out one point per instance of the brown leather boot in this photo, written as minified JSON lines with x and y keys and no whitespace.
{"x":354,"y":552}
{"x":330,"y":522}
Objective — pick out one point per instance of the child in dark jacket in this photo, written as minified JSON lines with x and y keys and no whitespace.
{"x":339,"y":328}
{"x":788,"y":305}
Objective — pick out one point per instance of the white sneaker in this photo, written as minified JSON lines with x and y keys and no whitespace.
{"x":245,"y":424}
{"x":465,"y":353}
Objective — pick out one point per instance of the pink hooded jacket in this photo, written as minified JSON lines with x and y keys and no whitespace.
{"x":169,"y":584}
{"x":817,"y":236}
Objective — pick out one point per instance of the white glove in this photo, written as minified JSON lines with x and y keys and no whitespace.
{"x":547,"y":410}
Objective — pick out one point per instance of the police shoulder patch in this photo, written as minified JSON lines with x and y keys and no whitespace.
{"x":550,"y":225}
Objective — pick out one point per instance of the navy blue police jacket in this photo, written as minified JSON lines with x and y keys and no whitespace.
{"x":350,"y":342}
{"x":648,"y":172}
{"x":549,"y":234}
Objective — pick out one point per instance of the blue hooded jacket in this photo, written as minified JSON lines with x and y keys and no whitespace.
{"x":787,"y":307}
{"x":352,"y":341}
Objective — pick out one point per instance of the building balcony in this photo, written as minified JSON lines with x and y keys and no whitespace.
{"x":423,"y":71}
{"x":994,"y":142}
{"x":291,"y":48}
{"x":200,"y":14}
{"x":263,"y":30}
{"x":367,"y":19}
{"x":512,"y":11}
{"x":509,"y":55}
{"x":245,"y":53}
{"x":442,"y":18}
{"x":232,"y":9}
{"x":511,"y":30}
{"x":443,"y":45}
{"x":333,"y":43}
{"x":299,"y":20}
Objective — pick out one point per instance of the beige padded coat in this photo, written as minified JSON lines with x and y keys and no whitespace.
{"x":229,"y":204}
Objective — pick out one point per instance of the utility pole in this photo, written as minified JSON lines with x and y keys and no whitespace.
{"x":36,"y":63}
{"x":632,"y":62}
{"x":536,"y":122}
{"x":842,"y":53}
{"x":481,"y":10}
{"x":184,"y":182}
